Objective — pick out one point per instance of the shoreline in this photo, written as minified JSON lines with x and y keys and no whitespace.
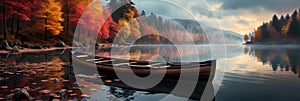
{"x":27,"y":50}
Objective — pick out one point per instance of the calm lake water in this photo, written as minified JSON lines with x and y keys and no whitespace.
{"x":251,"y":73}
{"x":262,"y":73}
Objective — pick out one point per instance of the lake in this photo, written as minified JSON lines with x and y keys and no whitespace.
{"x":243,"y":73}
{"x":262,"y":73}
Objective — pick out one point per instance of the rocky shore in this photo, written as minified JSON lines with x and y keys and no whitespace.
{"x":18,"y":47}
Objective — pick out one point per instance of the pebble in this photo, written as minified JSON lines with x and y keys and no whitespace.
{"x":74,"y":94}
{"x":17,"y":89}
{"x":108,"y":81}
{"x":93,"y":89}
{"x":66,"y":81}
{"x":45,"y":91}
{"x":44,"y":80}
{"x":70,"y":91}
{"x":117,"y":80}
{"x":4,"y":87}
{"x":56,"y":80}
{"x":63,"y":90}
{"x":84,"y":95}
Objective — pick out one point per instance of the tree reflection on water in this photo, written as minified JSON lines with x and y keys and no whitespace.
{"x":283,"y":58}
{"x":43,"y":73}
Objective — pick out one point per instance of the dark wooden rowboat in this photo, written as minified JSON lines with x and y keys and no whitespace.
{"x":142,"y":68}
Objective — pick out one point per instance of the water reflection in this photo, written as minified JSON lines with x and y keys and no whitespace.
{"x":48,"y":73}
{"x":184,"y":53}
{"x":44,"y":74}
{"x":283,"y":58}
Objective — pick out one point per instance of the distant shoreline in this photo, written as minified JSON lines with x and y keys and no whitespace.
{"x":26,"y":50}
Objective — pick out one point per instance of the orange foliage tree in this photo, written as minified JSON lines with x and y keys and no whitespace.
{"x":49,"y":18}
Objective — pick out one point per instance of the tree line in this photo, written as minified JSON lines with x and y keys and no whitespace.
{"x":283,"y":30}
{"x":42,"y":20}
{"x":52,"y":20}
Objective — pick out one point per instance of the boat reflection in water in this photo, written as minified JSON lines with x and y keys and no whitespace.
{"x":152,"y":60}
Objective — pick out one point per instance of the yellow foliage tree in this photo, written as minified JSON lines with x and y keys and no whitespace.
{"x":246,"y":38}
{"x":124,"y":32}
{"x":49,"y":18}
{"x":130,"y":27}
{"x":298,"y":17}
{"x":135,"y":29}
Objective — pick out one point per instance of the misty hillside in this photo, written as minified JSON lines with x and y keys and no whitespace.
{"x":215,"y":34}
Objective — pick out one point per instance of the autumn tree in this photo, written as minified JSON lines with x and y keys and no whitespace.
{"x":246,"y":38}
{"x":73,"y":10}
{"x":125,"y":14}
{"x":67,"y":7}
{"x":287,"y":28}
{"x":13,"y":9}
{"x":265,"y":32}
{"x":291,"y":30}
{"x":273,"y":33}
{"x":258,"y":35}
{"x":50,"y":18}
{"x":298,"y":16}
{"x":23,"y":12}
{"x":109,"y":28}
{"x":118,"y":8}
{"x":75,"y":15}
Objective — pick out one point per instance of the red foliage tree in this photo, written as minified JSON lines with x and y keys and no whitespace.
{"x":14,"y":8}
{"x":109,"y":28}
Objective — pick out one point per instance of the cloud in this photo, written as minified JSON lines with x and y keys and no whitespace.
{"x":202,"y":11}
{"x":241,"y":21}
{"x":163,"y":8}
{"x":241,"y":16}
{"x":273,"y":5}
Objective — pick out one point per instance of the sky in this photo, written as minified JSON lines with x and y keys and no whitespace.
{"x":241,"y":16}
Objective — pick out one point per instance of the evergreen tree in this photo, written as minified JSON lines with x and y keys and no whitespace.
{"x":293,"y":28}
{"x":287,"y":17}
{"x":295,"y":14}
{"x":282,"y":21}
{"x":276,"y":23}
{"x":143,"y":13}
{"x":265,"y":32}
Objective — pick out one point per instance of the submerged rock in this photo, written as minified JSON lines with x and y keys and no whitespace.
{"x":15,"y":49}
{"x":4,"y":45}
{"x":11,"y":43}
{"x":56,"y":80}
{"x":21,"y":95}
{"x":14,"y":43}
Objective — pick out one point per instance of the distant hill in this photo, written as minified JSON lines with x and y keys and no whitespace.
{"x":216,"y":34}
